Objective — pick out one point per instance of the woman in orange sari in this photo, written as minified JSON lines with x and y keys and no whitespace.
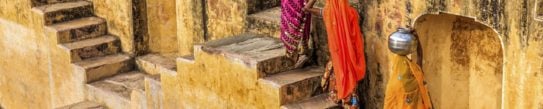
{"x":345,"y":43}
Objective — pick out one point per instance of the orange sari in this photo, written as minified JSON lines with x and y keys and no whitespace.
{"x":346,"y":45}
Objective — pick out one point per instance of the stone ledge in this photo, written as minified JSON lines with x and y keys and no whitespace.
{"x":120,"y":91}
{"x":100,"y":67}
{"x":266,"y":55}
{"x":154,"y":64}
{"x":296,"y":84}
{"x":60,"y":12}
{"x":91,"y":48}
{"x":266,"y":22}
{"x":83,"y":105}
{"x":259,"y":5}
{"x":317,"y":102}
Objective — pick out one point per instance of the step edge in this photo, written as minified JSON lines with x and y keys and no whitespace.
{"x":317,"y":97}
{"x":144,"y":65}
{"x":309,"y":74}
{"x":77,"y":44}
{"x":92,"y":87}
{"x":81,"y":3}
{"x":118,"y":59}
{"x":92,"y":20}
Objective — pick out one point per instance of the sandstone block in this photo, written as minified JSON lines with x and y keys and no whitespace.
{"x":100,"y":67}
{"x":266,"y":22}
{"x":79,"y":29}
{"x":90,"y":48}
{"x":266,"y":55}
{"x":317,"y":102}
{"x":60,"y":12}
{"x":84,"y":105}
{"x":294,"y":85}
{"x":154,"y":64}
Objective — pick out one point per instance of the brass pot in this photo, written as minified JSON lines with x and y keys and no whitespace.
{"x":402,"y":42}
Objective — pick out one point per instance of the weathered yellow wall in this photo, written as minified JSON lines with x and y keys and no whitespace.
{"x":24,"y":78}
{"x":162,"y":26}
{"x":24,"y":75}
{"x":233,"y":85}
{"x":462,"y":60}
{"x":120,"y":20}
{"x":512,"y":20}
{"x":190,"y":25}
{"x":225,"y":18}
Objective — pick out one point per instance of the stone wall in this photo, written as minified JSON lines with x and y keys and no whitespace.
{"x":519,"y":33}
{"x":120,"y":20}
{"x":162,"y":26}
{"x":24,"y":77}
{"x":225,"y":18}
{"x":190,"y":25}
{"x":517,"y":25}
{"x":462,"y":60}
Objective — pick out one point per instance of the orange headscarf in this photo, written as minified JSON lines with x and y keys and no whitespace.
{"x":346,"y":45}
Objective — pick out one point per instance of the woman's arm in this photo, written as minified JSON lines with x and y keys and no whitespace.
{"x":309,"y":8}
{"x":314,"y":11}
{"x":310,"y":4}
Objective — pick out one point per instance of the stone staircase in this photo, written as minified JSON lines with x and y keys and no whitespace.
{"x":250,"y":70}
{"x":111,"y":77}
{"x":254,"y":70}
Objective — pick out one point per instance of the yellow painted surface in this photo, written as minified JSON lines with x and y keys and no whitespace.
{"x":34,"y":73}
{"x":189,"y":25}
{"x":225,"y":18}
{"x":162,"y":26}
{"x":66,"y":88}
{"x":119,"y":17}
{"x":202,"y":85}
{"x":24,"y":76}
{"x":462,"y":61}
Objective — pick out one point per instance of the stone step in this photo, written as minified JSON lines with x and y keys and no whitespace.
{"x":255,"y":6}
{"x":153,"y":92}
{"x":37,"y":3}
{"x":317,"y":102}
{"x":61,"y":12}
{"x":295,"y":85}
{"x":264,"y":54}
{"x":266,"y":22}
{"x":84,"y":105}
{"x":122,"y":91}
{"x":186,"y":59}
{"x":101,"y":67}
{"x":90,"y":48}
{"x":79,"y":29}
{"x":59,"y":1}
{"x":157,"y":63}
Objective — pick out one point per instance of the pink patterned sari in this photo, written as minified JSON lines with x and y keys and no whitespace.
{"x":295,"y":26}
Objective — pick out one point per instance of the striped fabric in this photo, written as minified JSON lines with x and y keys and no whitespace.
{"x":295,"y":25}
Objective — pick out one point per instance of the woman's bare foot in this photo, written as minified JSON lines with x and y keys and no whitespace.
{"x":302,"y":59}
{"x":332,"y":96}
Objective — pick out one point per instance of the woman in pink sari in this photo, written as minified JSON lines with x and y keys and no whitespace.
{"x":295,"y":28}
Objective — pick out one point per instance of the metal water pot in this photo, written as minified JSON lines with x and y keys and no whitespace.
{"x":402,"y":42}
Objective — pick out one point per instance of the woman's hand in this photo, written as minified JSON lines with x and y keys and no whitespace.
{"x":309,"y":5}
